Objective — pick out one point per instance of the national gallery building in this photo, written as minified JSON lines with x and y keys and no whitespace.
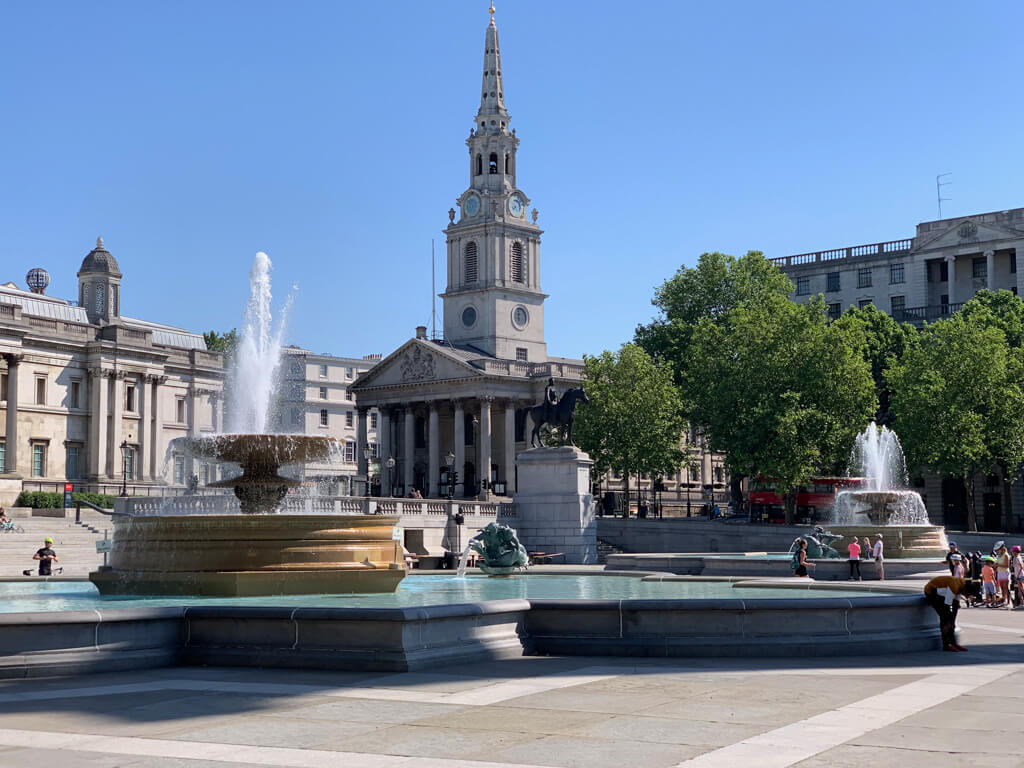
{"x":92,"y":397}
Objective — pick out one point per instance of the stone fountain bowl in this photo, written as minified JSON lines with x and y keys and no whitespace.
{"x":260,"y":450}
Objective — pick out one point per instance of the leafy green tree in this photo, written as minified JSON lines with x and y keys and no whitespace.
{"x":958,"y":399}
{"x":224,"y":343}
{"x":705,"y":293}
{"x":782,"y":391}
{"x":1004,"y":309}
{"x":633,"y":422}
{"x":884,"y":341}
{"x":709,"y":291}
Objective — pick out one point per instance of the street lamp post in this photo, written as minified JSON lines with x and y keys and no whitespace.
{"x":390,"y":464}
{"x":450,"y":461}
{"x":124,"y":468}
{"x":367,"y":453}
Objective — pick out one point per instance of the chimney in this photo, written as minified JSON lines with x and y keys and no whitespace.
{"x":421,"y":332}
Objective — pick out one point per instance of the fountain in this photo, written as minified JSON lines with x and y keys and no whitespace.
{"x":499,"y":547}
{"x":258,"y":552}
{"x":883,"y":504}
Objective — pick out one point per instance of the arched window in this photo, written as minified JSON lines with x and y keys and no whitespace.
{"x":508,"y":164}
{"x":479,"y":165}
{"x":492,"y":163}
{"x":518,"y":270}
{"x":471,"y":275}
{"x":99,"y":299}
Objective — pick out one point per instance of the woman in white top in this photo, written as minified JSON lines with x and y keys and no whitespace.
{"x":877,"y":554}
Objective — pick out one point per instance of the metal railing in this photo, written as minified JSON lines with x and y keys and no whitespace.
{"x":927,"y":314}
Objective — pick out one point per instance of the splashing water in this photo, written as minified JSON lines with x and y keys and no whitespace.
{"x":253,"y":377}
{"x":878,"y":458}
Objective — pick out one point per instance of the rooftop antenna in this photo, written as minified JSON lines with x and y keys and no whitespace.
{"x":433,"y":294}
{"x":939,"y":184}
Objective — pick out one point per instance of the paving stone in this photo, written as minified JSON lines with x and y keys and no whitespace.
{"x":946,"y":740}
{"x":583,"y":701}
{"x":569,"y":752}
{"x":433,"y":741}
{"x":519,"y":719}
{"x":659,"y":730}
{"x":269,"y":731}
{"x":850,"y":756}
{"x":373,"y":711}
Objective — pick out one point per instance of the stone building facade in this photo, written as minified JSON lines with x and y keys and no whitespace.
{"x":317,"y":399}
{"x":923,"y":279}
{"x":456,"y":399}
{"x":92,"y":397}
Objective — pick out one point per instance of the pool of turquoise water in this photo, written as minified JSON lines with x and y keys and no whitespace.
{"x":17,"y":597}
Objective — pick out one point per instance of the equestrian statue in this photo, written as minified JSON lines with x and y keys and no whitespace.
{"x":556,"y":411}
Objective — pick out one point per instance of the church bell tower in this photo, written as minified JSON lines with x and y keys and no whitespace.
{"x":493,"y":299}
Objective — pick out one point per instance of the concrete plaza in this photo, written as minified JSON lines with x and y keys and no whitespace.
{"x":929,"y":709}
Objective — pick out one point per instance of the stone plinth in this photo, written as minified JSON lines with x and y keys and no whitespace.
{"x":555,"y":511}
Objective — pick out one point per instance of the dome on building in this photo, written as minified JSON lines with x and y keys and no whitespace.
{"x":99,"y":260}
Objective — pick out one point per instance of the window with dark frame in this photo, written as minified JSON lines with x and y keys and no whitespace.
{"x":803,"y":286}
{"x":323,"y":417}
{"x":835,"y":311}
{"x":832,"y":282}
{"x":864,"y":277}
{"x":979,"y":268}
{"x":898,"y":304}
{"x":863,"y":303}
{"x":895,"y":274}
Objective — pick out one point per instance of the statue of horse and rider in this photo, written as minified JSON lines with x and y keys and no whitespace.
{"x":556,"y":411}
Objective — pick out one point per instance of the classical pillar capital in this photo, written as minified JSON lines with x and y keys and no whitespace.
{"x":989,"y":254}
{"x":12,"y":358}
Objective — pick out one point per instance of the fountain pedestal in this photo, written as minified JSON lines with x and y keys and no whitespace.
{"x":250,"y":555}
{"x":555,"y":510}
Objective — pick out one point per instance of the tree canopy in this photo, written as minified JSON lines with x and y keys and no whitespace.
{"x":633,"y":422}
{"x":782,"y":392}
{"x":958,"y":397}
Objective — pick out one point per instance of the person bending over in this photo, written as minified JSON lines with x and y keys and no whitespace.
{"x":943,"y":594}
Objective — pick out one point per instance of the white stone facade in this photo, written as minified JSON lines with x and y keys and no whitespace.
{"x":922,"y":278}
{"x":317,"y":399}
{"x":78,"y":382}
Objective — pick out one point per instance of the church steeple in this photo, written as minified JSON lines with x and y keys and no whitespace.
{"x":493,"y":301}
{"x":492,"y":116}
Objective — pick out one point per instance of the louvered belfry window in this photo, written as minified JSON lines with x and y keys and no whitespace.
{"x":471,"y":262}
{"x":518,"y":269}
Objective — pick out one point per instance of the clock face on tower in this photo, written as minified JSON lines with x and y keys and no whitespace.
{"x":520,"y":317}
{"x":471,"y":206}
{"x":516,"y":204}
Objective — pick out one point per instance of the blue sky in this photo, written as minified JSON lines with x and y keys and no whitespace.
{"x":331,"y":135}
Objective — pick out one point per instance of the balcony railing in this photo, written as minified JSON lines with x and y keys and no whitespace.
{"x":875,"y":249}
{"x":929,"y":314}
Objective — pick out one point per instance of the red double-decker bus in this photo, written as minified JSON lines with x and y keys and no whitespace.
{"x":813,"y":501}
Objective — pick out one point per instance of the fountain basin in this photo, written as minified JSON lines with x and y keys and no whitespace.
{"x":243,"y":555}
{"x":901,"y":541}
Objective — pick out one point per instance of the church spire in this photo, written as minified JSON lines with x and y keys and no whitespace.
{"x":492,"y":116}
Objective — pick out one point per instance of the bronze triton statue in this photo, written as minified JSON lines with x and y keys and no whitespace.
{"x":557,"y":411}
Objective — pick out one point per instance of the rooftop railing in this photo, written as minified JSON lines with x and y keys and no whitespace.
{"x":874,"y":249}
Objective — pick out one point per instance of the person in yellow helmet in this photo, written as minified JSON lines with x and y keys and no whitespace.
{"x":46,"y":557}
{"x":943,"y":594}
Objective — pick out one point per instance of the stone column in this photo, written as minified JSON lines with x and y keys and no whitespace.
{"x":362,"y":465}
{"x":98,"y":424}
{"x":510,"y":448}
{"x":387,"y":482}
{"x":11,"y":440}
{"x":459,"y":431}
{"x":434,"y":451}
{"x":408,"y":450}
{"x":115,"y":464}
{"x":485,"y":446}
{"x":192,"y":417}
{"x":951,"y":285}
{"x":142,"y":392}
{"x":157,"y":455}
{"x":990,"y":269}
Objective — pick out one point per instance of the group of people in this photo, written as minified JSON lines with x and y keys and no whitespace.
{"x":857,"y":553}
{"x":1000,"y":572}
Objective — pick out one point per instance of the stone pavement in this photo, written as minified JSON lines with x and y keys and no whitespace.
{"x":931,"y":709}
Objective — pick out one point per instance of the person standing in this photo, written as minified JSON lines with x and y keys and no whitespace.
{"x":854,"y":550}
{"x":988,"y":581}
{"x":943,"y":595}
{"x":1018,"y":573}
{"x":800,"y":561}
{"x":1003,"y":573}
{"x":878,"y":553}
{"x":46,"y":557}
{"x":952,"y":551}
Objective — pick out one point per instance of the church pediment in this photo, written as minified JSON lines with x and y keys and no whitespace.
{"x":415,"y":362}
{"x":966,"y":233}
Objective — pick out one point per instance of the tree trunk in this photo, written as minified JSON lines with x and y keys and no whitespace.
{"x":972,"y":517}
{"x":625,"y":476}
{"x":736,"y":491}
{"x":1007,"y":494}
{"x":790,"y":503}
